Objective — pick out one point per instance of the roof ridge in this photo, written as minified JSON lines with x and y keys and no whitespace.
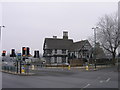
{"x":81,"y":41}
{"x":58,"y":39}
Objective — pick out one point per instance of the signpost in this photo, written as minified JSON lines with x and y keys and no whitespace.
{"x":17,"y":66}
{"x":18,"y":61}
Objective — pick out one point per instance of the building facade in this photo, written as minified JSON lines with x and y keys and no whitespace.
{"x":61,"y":50}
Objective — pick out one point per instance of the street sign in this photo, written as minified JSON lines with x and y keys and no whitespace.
{"x":23,"y":69}
{"x":18,"y":54}
{"x":22,"y":63}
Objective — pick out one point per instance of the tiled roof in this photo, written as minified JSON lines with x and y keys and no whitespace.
{"x":55,"y":43}
{"x":79,"y":45}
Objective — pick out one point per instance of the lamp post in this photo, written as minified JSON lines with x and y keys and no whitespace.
{"x":0,"y":39}
{"x":95,"y":45}
{"x":0,"y":30}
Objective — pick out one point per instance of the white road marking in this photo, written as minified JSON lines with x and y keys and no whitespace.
{"x":101,"y":81}
{"x":108,"y":80}
{"x":86,"y":86}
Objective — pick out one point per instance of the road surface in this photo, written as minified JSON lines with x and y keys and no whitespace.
{"x":51,"y":78}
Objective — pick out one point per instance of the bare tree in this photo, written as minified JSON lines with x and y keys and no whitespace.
{"x":91,"y":40}
{"x":109,"y":34}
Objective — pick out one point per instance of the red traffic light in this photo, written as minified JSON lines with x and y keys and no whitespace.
{"x":24,"y":49}
{"x":4,"y":51}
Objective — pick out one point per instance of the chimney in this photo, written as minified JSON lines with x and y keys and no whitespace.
{"x":65,"y":35}
{"x":54,"y":37}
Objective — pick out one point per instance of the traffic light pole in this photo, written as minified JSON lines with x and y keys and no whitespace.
{"x":17,"y":66}
{"x":20,"y":68}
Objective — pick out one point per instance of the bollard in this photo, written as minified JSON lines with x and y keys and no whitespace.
{"x":23,"y":69}
{"x":33,"y":67}
{"x":68,"y":67}
{"x":87,"y":68}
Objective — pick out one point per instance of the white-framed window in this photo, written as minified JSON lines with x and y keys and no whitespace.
{"x":55,"y":59}
{"x":55,"y":51}
{"x":63,"y":59}
{"x":63,"y":51}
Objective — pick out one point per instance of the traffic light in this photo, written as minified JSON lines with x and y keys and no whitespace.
{"x":24,"y":59}
{"x":24,"y":51}
{"x":36,"y":54}
{"x":28,"y":51}
{"x":4,"y":53}
{"x":13,"y":53}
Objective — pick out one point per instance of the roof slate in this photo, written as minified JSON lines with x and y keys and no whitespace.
{"x":53,"y":43}
{"x":56,"y":43}
{"x":79,"y":45}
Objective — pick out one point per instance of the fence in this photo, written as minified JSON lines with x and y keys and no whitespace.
{"x":9,"y":68}
{"x":15,"y":69}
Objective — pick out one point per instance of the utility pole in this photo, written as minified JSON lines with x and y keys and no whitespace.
{"x":95,"y":45}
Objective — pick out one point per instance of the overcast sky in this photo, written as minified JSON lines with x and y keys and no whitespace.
{"x":28,"y":24}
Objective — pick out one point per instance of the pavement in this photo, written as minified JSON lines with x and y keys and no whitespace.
{"x":63,"y":78}
{"x":15,"y":73}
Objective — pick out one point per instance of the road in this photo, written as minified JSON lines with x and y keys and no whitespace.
{"x":51,"y":78}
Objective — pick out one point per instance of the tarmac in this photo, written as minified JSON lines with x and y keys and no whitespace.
{"x":64,"y":78}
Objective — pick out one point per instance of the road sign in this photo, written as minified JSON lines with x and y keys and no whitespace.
{"x":23,"y":69}
{"x":18,"y":54}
